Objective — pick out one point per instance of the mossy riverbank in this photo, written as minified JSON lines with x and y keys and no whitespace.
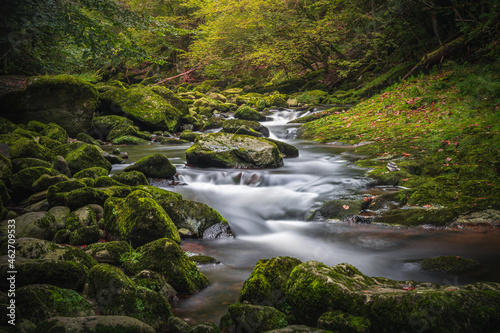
{"x":441,"y":134}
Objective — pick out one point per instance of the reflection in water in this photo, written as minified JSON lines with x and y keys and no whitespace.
{"x":267,"y":210}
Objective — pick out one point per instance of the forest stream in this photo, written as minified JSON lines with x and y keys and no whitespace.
{"x":267,"y":210}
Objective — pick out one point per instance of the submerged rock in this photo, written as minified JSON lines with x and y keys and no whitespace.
{"x":233,"y":151}
{"x":449,"y":264}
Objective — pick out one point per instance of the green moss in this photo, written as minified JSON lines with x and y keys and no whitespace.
{"x":22,"y":181}
{"x":21,"y":147}
{"x":173,"y":141}
{"x":85,"y":235}
{"x":188,"y":135}
{"x":314,"y":97}
{"x":138,"y":218}
{"x":22,"y":163}
{"x":449,"y":264}
{"x":56,"y":192}
{"x":131,"y":178}
{"x":39,"y":302}
{"x":337,"y":209}
{"x":276,"y":100}
{"x":130,"y":140}
{"x":5,"y":168}
{"x":256,"y":318}
{"x":36,"y":126}
{"x":103,"y":125}
{"x":245,"y":112}
{"x":94,"y":172}
{"x":192,"y":215}
{"x":267,"y":283}
{"x":159,"y":193}
{"x":81,"y":156}
{"x":154,"y":166}
{"x":127,"y":130}
{"x":286,"y":150}
{"x":342,"y":322}
{"x":105,"y":181}
{"x":83,"y":137}
{"x":116,"y":294}
{"x":233,"y":125}
{"x":415,"y":217}
{"x":55,"y":132}
{"x":167,"y":258}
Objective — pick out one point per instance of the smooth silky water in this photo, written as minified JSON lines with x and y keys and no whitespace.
{"x":267,"y":211}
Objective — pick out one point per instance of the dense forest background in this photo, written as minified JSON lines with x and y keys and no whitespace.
{"x":311,"y":44}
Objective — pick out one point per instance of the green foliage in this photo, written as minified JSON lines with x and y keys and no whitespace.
{"x":130,"y":257}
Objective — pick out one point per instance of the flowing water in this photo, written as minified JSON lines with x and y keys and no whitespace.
{"x":267,"y":211}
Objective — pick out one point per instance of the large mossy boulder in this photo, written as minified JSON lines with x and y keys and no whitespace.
{"x":55,"y":132}
{"x":60,"y":273}
{"x":81,"y":156}
{"x":245,"y":112}
{"x":233,"y":151}
{"x":64,"y":100}
{"x":154,"y":166}
{"x":39,"y":302}
{"x":96,"y":324}
{"x":267,"y":283}
{"x":117,"y":294}
{"x":138,"y":218}
{"x":167,"y":258}
{"x":131,"y":178}
{"x":233,"y":125}
{"x":194,"y":216}
{"x":101,"y":126}
{"x":22,"y":147}
{"x":314,"y":289}
{"x":154,"y":107}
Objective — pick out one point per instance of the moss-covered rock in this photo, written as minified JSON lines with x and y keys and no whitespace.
{"x":33,"y":248}
{"x":5,"y":167}
{"x":81,"y":156}
{"x":4,"y":193}
{"x":138,"y":218}
{"x":36,"y":224}
{"x":63,"y":274}
{"x":337,"y":209}
{"x":116,"y":294}
{"x":83,"y":137}
{"x":233,"y":151}
{"x":108,"y":252}
{"x":55,"y":132}
{"x":192,"y":215}
{"x":255,"y":318}
{"x":60,"y":164}
{"x":233,"y":125}
{"x":418,"y":216}
{"x":286,"y":150}
{"x":173,"y":141}
{"x":154,"y":166}
{"x":245,"y":112}
{"x":21,"y":147}
{"x":188,"y":135}
{"x":130,"y":140}
{"x":81,"y":217}
{"x":314,"y":97}
{"x":211,"y":123}
{"x":84,"y":196}
{"x":156,"y":283}
{"x":39,"y":302}
{"x":151,"y":106}
{"x":276,"y":100}
{"x":22,"y":181}
{"x":101,"y":126}
{"x":84,"y":235}
{"x":19,"y":164}
{"x":132,"y":178}
{"x":65,"y":100}
{"x":127,"y":130}
{"x":339,"y":321}
{"x":105,"y":181}
{"x":96,"y":324}
{"x":200,"y":260}
{"x":55,"y":193}
{"x":6,"y":126}
{"x":159,"y":193}
{"x":167,"y":258}
{"x":248,"y":131}
{"x":267,"y":283}
{"x":449,"y":264}
{"x":62,"y":236}
{"x":313,"y":289}
{"x":46,"y":181}
{"x":94,"y":172}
